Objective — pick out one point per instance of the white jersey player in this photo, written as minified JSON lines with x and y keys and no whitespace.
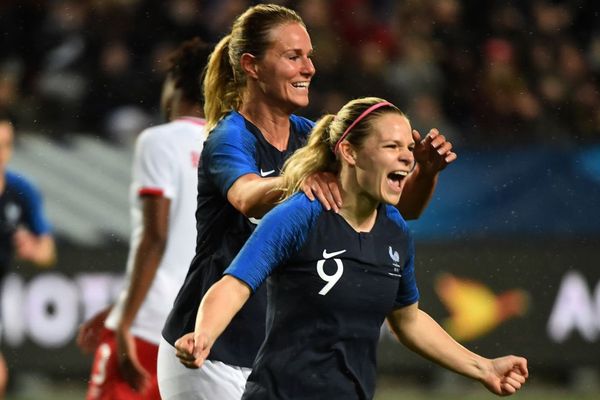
{"x":163,"y":202}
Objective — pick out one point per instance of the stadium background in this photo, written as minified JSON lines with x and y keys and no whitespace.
{"x":508,"y":251}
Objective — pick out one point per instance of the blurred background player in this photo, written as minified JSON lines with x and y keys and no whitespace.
{"x":25,"y":233}
{"x":163,"y":201}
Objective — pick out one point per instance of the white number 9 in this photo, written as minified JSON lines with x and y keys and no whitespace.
{"x":330,"y":279}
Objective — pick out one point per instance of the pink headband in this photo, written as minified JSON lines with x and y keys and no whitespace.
{"x":357,"y":120}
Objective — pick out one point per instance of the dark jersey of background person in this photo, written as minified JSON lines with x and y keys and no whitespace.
{"x":329,"y":291}
{"x":20,"y":204}
{"x":234,"y":148}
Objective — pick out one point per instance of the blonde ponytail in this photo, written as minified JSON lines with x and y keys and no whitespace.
{"x":316,"y":156}
{"x":220,"y":90}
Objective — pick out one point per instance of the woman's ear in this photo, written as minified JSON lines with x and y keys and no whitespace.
{"x":347,"y":152}
{"x":249,"y":65}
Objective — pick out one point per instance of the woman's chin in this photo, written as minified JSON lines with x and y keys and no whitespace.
{"x":391,"y":194}
{"x":391,"y":198}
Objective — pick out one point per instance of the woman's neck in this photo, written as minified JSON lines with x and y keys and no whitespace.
{"x":359,"y":211}
{"x":273,"y":124}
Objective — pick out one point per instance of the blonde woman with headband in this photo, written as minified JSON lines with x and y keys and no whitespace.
{"x":256,"y":78}
{"x":333,"y":278}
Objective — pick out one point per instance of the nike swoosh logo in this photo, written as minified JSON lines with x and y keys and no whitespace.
{"x":266,"y":173}
{"x":329,"y":255}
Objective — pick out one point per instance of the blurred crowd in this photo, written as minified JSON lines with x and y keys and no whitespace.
{"x":485,"y":73}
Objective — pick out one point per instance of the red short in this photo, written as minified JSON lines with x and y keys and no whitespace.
{"x":106,"y":382}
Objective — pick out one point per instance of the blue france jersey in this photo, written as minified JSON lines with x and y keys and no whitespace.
{"x":233,"y":149}
{"x":20,"y":204}
{"x":330,"y":289}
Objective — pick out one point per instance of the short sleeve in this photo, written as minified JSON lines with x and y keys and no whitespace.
{"x":281,"y":233}
{"x":408,"y":292}
{"x":154,"y":166}
{"x":229,"y":153}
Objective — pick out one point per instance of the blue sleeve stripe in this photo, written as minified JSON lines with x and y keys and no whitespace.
{"x":280,"y":234}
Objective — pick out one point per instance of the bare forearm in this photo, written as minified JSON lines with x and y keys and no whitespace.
{"x":218,"y":307}
{"x":426,"y":337}
{"x":432,"y":154}
{"x":146,"y":262}
{"x":254,"y":196}
{"x":417,"y":192}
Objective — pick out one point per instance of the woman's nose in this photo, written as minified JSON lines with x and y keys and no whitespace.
{"x":407,"y":157}
{"x":308,"y":67}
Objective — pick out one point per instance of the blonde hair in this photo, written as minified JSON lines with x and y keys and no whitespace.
{"x":318,"y":154}
{"x":224,"y":78}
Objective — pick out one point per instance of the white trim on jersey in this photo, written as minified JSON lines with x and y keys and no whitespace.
{"x":165,"y":164}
